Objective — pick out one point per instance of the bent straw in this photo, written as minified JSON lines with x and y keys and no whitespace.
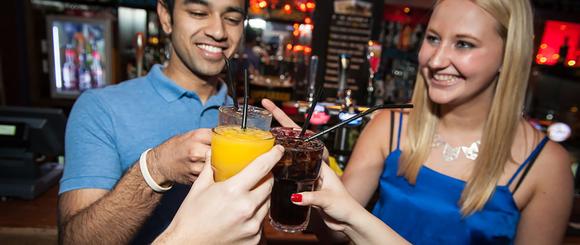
{"x":387,"y":106}
{"x":230,"y":81}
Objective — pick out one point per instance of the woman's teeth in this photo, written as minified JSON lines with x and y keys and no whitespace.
{"x":445,"y":78}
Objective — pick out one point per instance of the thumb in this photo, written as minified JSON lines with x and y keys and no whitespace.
{"x":205,"y":178}
{"x":311,"y":198}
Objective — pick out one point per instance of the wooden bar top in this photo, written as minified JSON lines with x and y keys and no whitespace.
{"x":34,"y":222}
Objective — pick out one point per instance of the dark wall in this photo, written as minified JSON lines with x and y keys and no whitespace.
{"x":14,"y":46}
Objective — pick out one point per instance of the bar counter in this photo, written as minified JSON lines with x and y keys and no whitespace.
{"x":34,"y":222}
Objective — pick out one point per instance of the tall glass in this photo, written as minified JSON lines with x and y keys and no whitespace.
{"x":234,"y":148}
{"x":257,"y":117}
{"x":297,"y":171}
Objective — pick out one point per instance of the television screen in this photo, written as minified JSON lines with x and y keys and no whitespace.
{"x":560,"y":44}
{"x":80,"y":54}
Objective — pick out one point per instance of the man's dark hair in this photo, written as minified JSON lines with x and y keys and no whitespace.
{"x":168,"y":4}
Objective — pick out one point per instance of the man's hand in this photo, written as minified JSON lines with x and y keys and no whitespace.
{"x":229,"y":212}
{"x":181,"y":158}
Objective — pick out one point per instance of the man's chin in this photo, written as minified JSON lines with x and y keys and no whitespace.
{"x":207,"y":72}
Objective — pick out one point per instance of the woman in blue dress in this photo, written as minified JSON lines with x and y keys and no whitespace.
{"x":461,"y":171}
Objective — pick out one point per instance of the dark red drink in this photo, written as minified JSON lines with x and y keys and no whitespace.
{"x":297,"y":171}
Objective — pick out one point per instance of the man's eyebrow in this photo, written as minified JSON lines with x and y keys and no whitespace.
{"x":206,"y":3}
{"x":203,"y":2}
{"x":236,"y":9}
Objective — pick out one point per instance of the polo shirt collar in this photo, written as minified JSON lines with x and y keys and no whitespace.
{"x":170,"y":91}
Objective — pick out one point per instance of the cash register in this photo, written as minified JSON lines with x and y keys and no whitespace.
{"x":31,"y":141}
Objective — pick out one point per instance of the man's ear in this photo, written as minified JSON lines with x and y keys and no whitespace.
{"x":164,"y":16}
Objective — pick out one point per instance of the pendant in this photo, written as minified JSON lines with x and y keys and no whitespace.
{"x":471,"y":151}
{"x":450,"y":153}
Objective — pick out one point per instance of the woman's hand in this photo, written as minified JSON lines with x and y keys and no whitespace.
{"x":341,"y":212}
{"x":333,"y":200}
{"x":229,"y":212}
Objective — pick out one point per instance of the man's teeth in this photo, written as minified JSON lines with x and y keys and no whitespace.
{"x":209,"y":48}
{"x":448,"y":78}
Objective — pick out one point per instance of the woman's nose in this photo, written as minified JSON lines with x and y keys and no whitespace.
{"x":439,"y":58}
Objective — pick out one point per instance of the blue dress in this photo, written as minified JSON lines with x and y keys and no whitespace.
{"x":428,"y":212}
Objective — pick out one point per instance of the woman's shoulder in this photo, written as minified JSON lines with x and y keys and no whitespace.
{"x":553,"y":162}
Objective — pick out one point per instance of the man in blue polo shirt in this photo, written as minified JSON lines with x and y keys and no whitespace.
{"x":111,"y":190}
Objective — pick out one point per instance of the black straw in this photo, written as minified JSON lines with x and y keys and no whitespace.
{"x":245,"y":108}
{"x":310,"y":111}
{"x":384,"y":106}
{"x":230,"y":81}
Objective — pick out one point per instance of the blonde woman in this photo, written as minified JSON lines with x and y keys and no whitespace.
{"x":467,"y":168}
{"x":462,"y":169}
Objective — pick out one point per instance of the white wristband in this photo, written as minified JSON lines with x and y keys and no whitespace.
{"x":145,"y":172}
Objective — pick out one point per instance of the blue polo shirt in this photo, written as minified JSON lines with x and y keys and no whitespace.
{"x":109,"y":128}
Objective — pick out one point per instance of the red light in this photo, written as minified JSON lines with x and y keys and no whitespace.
{"x":296,"y":33}
{"x":287,"y":9}
{"x":307,"y":50}
{"x":298,"y":48}
{"x":263,"y":4}
{"x":310,"y":6}
{"x":289,"y":46}
{"x":557,"y":34}
{"x":307,"y":20}
{"x":302,"y":7}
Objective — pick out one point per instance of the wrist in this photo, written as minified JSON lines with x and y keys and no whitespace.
{"x":144,"y":164}
{"x":155,"y":170}
{"x":356,"y":221}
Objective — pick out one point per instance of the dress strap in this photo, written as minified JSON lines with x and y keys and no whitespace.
{"x":530,"y":160}
{"x":399,"y":133}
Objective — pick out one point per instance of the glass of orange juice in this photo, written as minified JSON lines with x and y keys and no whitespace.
{"x":233,"y":148}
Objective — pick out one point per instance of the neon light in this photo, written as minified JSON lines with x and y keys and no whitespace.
{"x":56,"y":54}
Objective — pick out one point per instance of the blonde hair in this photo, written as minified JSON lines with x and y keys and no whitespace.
{"x":514,"y":25}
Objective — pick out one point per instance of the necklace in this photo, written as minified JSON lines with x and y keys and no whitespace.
{"x":451,"y":153}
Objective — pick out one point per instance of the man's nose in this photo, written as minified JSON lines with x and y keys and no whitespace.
{"x":216,"y":28}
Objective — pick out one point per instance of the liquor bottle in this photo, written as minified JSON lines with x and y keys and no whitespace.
{"x":343,"y":64}
{"x":374,"y":59}
{"x":312,"y":69}
{"x":84,"y":73}
{"x":97,"y":70}
{"x":345,"y":137}
{"x":83,"y":69}
{"x":69,"y":75}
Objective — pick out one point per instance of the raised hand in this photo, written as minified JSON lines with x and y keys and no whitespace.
{"x":229,"y":212}
{"x":285,"y":120}
{"x":181,"y":158}
{"x":278,"y":114}
{"x":332,"y":199}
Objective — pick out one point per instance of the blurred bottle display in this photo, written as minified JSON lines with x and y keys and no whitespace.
{"x":69,"y":70}
{"x":97,"y":70}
